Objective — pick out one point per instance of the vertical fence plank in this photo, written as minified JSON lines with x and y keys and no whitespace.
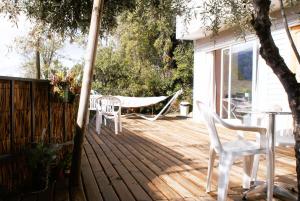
{"x":5,"y":135}
{"x":12,"y":110}
{"x":32,"y":111}
{"x":41,"y":111}
{"x":49,"y":105}
{"x":64,"y":121}
{"x":22,"y":114}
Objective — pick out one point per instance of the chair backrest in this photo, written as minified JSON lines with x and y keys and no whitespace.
{"x":109,"y":104}
{"x":93,"y":102}
{"x":210,"y":118}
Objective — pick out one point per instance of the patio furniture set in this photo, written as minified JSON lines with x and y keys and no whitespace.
{"x":249,"y":151}
{"x":109,"y":107}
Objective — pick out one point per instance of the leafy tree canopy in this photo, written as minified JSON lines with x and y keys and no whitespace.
{"x":217,"y":14}
{"x":146,"y":59}
{"x":70,"y":16}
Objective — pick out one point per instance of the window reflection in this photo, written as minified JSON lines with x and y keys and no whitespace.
{"x":237,"y":66}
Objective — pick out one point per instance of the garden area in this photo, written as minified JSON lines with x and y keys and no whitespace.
{"x":37,"y":128}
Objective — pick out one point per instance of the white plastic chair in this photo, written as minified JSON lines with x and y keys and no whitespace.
{"x":108,"y":107}
{"x":92,"y":105}
{"x":229,"y":151}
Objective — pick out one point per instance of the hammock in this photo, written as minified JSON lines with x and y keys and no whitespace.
{"x":147,"y":101}
{"x":136,"y":102}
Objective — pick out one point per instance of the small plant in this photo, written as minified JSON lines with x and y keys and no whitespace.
{"x":39,"y":158}
{"x":65,"y":163}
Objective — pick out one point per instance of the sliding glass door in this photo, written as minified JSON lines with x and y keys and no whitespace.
{"x":237,"y":72}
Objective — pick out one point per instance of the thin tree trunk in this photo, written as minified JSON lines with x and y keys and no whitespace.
{"x":38,"y":64}
{"x":270,"y":53}
{"x":75,"y":179}
{"x":287,"y":30}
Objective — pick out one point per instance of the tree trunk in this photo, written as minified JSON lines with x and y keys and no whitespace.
{"x":75,"y":179}
{"x":38,"y":64}
{"x":270,"y":53}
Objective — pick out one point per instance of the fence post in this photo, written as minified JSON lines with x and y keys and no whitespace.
{"x":12,"y":110}
{"x":49,"y":113}
{"x":64,"y":121}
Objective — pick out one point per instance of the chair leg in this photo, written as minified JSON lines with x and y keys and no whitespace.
{"x":255,"y":167}
{"x":116,"y":124}
{"x":224,"y":168}
{"x":247,"y":166}
{"x":211,"y":159}
{"x":98,"y":122}
{"x":120,"y":122}
{"x":87,"y":117}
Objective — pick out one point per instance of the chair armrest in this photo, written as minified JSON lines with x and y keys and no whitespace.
{"x":262,"y":139}
{"x":242,"y":128}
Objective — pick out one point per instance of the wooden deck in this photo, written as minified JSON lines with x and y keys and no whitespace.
{"x":161,"y":160}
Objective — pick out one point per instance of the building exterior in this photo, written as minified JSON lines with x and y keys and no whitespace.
{"x":229,"y":73}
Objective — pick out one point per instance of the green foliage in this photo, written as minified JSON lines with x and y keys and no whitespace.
{"x":41,"y":155}
{"x":183,"y":76}
{"x":111,"y":72}
{"x":146,"y":60}
{"x":235,"y":14}
{"x":68,"y":17}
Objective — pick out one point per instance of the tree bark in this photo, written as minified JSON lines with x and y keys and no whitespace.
{"x":270,"y":53}
{"x":75,"y":179}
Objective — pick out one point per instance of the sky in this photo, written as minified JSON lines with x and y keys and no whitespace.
{"x":11,"y":61}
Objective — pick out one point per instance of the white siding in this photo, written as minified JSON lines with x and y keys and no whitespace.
{"x":203,"y":87}
{"x":269,"y":89}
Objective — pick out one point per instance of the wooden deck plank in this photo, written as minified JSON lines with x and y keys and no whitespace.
{"x":167,"y":160}
{"x":103,"y":182}
{"x":143,"y":181}
{"x":194,"y":175}
{"x":236,"y":171}
{"x":147,"y":172}
{"x":166,"y":178}
{"x":118,"y":184}
{"x":61,"y":192}
{"x":172,"y":169}
{"x":131,"y":183}
{"x":89,"y":182}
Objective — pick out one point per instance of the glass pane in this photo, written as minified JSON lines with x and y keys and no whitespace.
{"x":225,"y":73}
{"x":241,"y":78}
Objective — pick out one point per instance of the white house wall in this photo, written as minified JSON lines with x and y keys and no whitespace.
{"x":203,"y":87}
{"x":269,"y":91}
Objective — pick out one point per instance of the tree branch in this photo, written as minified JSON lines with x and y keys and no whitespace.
{"x":287,"y":30}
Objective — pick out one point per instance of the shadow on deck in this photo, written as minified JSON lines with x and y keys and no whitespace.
{"x":161,"y":160}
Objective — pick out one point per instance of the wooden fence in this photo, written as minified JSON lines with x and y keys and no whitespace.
{"x":26,"y":108}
